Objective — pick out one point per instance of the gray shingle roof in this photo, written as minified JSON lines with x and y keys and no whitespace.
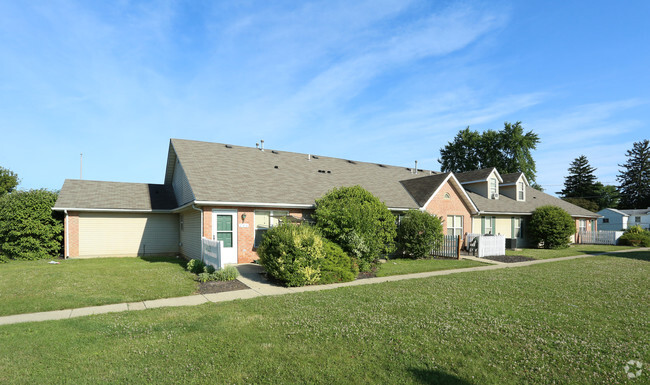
{"x":534,"y":199}
{"x":471,"y":176}
{"x":89,"y":194}
{"x":511,"y":178}
{"x":220,"y":173}
{"x":422,"y":188}
{"x":636,"y":211}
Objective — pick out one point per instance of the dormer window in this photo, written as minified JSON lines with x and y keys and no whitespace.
{"x":520,"y":191}
{"x":493,"y":189}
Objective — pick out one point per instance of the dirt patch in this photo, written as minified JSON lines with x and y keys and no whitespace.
{"x":220,"y":286}
{"x":368,"y":274}
{"x":510,"y":258}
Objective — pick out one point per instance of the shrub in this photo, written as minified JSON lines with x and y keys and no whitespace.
{"x":195,"y":266}
{"x":418,"y":233}
{"x":228,"y":273}
{"x":552,"y":227}
{"x":292,"y":254}
{"x":635,"y":236}
{"x":29,"y":229}
{"x":204,"y":277}
{"x":337,"y":265}
{"x":358,"y":221}
{"x":208,"y":269}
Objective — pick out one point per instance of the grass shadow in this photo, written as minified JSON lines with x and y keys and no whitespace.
{"x":165,"y":259}
{"x":643,"y":255}
{"x":425,"y":376}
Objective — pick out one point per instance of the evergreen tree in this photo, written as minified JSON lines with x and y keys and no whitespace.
{"x":635,"y":177}
{"x":581,"y":182}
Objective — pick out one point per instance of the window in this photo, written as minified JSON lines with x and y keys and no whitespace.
{"x":605,"y":220}
{"x":455,"y":225}
{"x":517,"y":229}
{"x":520,"y":191}
{"x":637,"y":219}
{"x":493,"y":187}
{"x":225,"y":229}
{"x":489,"y":225}
{"x":447,"y":196}
{"x":264,"y":220}
{"x":583,"y":225}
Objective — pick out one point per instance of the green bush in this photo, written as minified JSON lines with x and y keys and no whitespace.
{"x":358,"y":221}
{"x":635,"y":236}
{"x":29,"y":229}
{"x":195,"y":266}
{"x":552,"y":227}
{"x":337,"y":265}
{"x":204,"y":277}
{"x":292,"y":254}
{"x":228,"y":273}
{"x":208,"y":269}
{"x":419,"y":233}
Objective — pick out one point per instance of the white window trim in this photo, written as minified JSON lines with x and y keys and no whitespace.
{"x":453,"y":227}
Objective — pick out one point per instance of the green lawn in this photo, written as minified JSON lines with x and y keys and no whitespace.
{"x":570,"y":251}
{"x":409,"y":266}
{"x":34,"y":286}
{"x":574,"y":321}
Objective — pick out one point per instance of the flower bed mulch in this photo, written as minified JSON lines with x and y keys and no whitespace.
{"x":368,"y":274}
{"x":220,"y":286}
{"x":510,"y":258}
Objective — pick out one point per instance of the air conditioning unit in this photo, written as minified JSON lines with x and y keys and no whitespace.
{"x":495,"y":196}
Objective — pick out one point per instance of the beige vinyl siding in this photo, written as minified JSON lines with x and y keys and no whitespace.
{"x":181,"y":185}
{"x":190,"y":235}
{"x":127,"y":234}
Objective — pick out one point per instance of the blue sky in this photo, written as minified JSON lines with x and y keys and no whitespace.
{"x":377,"y":81}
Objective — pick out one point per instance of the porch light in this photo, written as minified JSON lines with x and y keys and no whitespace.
{"x":243,"y":217}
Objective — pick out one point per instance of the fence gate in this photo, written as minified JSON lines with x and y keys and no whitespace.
{"x":211,"y":252}
{"x":450,"y":247}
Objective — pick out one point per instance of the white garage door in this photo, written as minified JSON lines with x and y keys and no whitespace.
{"x":106,"y":234}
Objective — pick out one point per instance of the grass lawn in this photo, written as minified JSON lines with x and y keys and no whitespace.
{"x":409,"y":266}
{"x":574,"y":321}
{"x":34,"y":286}
{"x":571,"y":250}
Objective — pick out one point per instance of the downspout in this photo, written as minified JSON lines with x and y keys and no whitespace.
{"x":201,"y":212}
{"x":66,"y":246}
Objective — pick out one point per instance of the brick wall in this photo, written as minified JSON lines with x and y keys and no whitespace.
{"x":246,"y":253}
{"x":442,"y":207}
{"x":71,"y":233}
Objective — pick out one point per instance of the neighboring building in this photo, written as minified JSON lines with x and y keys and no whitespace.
{"x":638,"y":217}
{"x":234,"y":194}
{"x":613,"y":219}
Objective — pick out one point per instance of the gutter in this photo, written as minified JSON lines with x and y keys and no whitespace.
{"x":66,"y":254}
{"x":201,"y":238}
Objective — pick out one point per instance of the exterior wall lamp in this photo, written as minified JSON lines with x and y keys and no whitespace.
{"x":243,"y":217}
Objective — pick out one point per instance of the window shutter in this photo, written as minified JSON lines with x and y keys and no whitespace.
{"x":494,"y":226}
{"x":482,"y":225}
{"x":512,"y":227}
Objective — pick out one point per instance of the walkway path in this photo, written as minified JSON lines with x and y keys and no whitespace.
{"x":250,"y":275}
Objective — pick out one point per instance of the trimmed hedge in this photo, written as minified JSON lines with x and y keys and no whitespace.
{"x":292,"y":254}
{"x":337,"y":266}
{"x":552,"y":227}
{"x":358,"y":221}
{"x":29,"y":229}
{"x":419,"y":233}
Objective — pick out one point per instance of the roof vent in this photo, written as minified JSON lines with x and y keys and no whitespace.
{"x":314,"y":156}
{"x":352,"y":162}
{"x":275,"y":167}
{"x":308,"y":156}
{"x":381,"y":165}
{"x":329,"y":172}
{"x":416,"y":167}
{"x":257,"y":145}
{"x":274,"y":152}
{"x":228,"y":146}
{"x":262,"y":144}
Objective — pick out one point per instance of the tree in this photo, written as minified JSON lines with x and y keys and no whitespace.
{"x":608,"y":196}
{"x":418,"y":234}
{"x":581,"y":182}
{"x":29,"y":229}
{"x":634,"y":178}
{"x":509,"y":150}
{"x":551,"y":226}
{"x":8,"y":181}
{"x":358,"y":221}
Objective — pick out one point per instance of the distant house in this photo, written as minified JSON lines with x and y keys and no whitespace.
{"x":614,"y":219}
{"x":234,"y":194}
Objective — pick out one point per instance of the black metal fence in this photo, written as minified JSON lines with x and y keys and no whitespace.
{"x":450,"y":247}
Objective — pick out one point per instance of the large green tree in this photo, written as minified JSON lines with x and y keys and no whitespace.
{"x":581,"y":181}
{"x":608,"y":196}
{"x":509,"y":150}
{"x":8,"y":181}
{"x":634,"y":178}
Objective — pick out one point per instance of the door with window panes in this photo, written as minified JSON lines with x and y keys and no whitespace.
{"x":224,"y":229}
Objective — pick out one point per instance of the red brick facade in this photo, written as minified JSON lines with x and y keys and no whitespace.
{"x":442,"y":206}
{"x":246,"y":253}
{"x":71,"y":232}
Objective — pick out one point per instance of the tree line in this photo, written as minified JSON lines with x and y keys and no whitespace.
{"x":510,"y":150}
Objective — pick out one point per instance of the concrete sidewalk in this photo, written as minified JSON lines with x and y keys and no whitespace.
{"x":252,"y":276}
